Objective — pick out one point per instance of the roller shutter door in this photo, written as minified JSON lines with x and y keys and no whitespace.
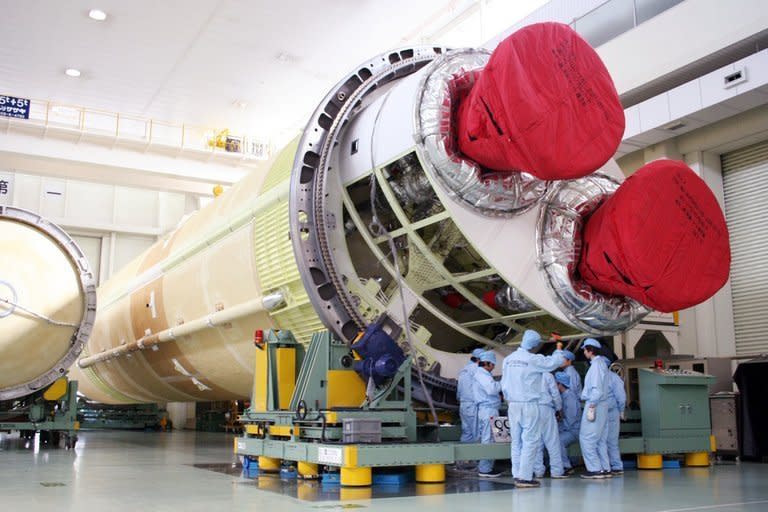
{"x":745,"y":180}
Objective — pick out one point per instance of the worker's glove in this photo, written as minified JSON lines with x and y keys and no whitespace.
{"x":623,"y":416}
{"x":591,"y":414}
{"x":559,"y":416}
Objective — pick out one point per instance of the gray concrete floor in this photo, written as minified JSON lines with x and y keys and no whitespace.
{"x":187,"y":471}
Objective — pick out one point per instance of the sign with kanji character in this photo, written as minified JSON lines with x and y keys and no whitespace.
{"x":14,"y":107}
{"x":6,"y":188}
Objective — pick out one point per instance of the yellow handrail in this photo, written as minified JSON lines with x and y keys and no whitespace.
{"x":149,"y":131}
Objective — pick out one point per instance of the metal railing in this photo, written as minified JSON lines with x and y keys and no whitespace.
{"x":89,"y":123}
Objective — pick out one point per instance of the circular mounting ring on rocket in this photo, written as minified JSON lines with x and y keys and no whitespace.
{"x":88,"y":287}
{"x":307,"y":213}
{"x":495,"y":194}
{"x":558,"y":247}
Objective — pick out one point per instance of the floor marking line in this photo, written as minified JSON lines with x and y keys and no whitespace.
{"x":705,"y":507}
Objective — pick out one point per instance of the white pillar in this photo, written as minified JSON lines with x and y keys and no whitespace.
{"x":707,"y":330}
{"x":182,"y":414}
{"x":629,"y":339}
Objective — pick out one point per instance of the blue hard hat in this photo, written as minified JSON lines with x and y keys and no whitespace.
{"x":477,"y":353}
{"x":569,"y":355}
{"x":589,"y":342}
{"x":563,"y":379}
{"x":531,"y":339}
{"x":488,"y":357}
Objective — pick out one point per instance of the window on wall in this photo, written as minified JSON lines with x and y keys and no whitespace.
{"x":615,"y":17}
{"x":606,"y":22}
{"x":647,"y":9}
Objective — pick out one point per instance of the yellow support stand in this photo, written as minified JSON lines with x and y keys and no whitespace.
{"x":269,"y":464}
{"x":697,"y":459}
{"x":430,"y":473}
{"x":356,"y":477}
{"x":649,"y":461}
{"x":307,"y":470}
{"x":56,"y":390}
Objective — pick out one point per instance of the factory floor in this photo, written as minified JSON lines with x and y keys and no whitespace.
{"x":117,"y":471}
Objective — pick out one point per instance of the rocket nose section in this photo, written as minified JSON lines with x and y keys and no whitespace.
{"x":661,"y":239}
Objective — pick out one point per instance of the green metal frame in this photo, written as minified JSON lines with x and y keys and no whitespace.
{"x":660,"y":430}
{"x":371,"y":455}
{"x":119,"y":417}
{"x":309,"y":410}
{"x":45,"y":416}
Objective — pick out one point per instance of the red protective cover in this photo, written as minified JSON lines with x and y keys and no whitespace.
{"x":660,"y":239}
{"x":544,"y":104}
{"x":489,"y":298}
{"x":454,"y":300}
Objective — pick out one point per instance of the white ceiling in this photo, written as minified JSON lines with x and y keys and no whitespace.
{"x":190,"y":60}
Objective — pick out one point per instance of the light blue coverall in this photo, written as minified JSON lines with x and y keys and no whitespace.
{"x":467,"y":405}
{"x":593,"y":435}
{"x":572,"y":374}
{"x":569,"y":425}
{"x":549,"y":403}
{"x":521,"y":384}
{"x":616,"y":405}
{"x":486,"y":391}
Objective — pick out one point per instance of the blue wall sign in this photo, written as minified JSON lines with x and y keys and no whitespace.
{"x":14,"y":107}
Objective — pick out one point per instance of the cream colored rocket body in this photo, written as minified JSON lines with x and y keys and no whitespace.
{"x":206,"y":266}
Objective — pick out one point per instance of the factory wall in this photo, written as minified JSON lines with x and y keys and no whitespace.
{"x":641,"y":52}
{"x":113,"y":224}
{"x":686,"y":33}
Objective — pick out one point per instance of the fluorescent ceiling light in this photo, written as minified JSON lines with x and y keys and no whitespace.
{"x":97,"y":14}
{"x":74,"y":73}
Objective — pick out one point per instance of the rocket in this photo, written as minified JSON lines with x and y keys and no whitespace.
{"x":455,"y":196}
{"x":47,"y":302}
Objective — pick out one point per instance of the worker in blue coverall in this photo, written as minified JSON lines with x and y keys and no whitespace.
{"x":550,"y":404}
{"x":571,"y":372}
{"x":488,"y":399}
{"x":467,"y":406}
{"x":521,"y":385}
{"x":570,"y":418}
{"x":593,"y":435}
{"x":616,"y":404}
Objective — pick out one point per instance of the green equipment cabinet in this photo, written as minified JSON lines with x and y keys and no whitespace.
{"x":673,"y":418}
{"x":675,"y":410}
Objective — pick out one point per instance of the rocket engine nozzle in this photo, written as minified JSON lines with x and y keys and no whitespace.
{"x":660,"y":239}
{"x":544,"y":104}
